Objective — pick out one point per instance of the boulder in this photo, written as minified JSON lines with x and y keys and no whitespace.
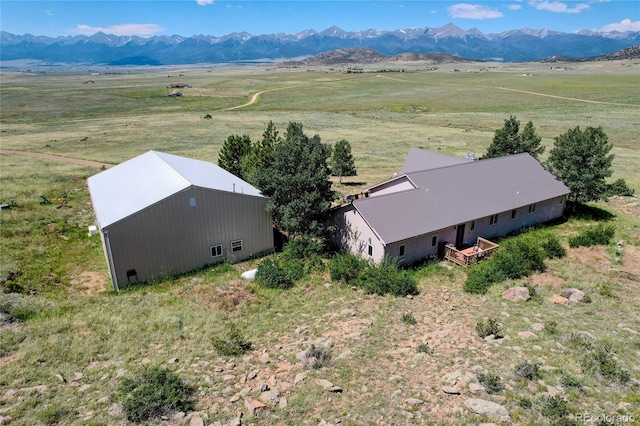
{"x":488,"y":409}
{"x":255,"y":407}
{"x":249,"y":275}
{"x":516,"y":294}
{"x":559,"y":300}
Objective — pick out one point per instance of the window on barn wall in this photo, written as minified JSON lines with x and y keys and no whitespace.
{"x":514,"y":213}
{"x":401,"y":250}
{"x":493,"y":219}
{"x":370,"y":250}
{"x":473,"y":225}
{"x":236,"y":245}
{"x":532,"y":208}
{"x":434,"y":240}
{"x":192,"y":201}
{"x":216,"y":250}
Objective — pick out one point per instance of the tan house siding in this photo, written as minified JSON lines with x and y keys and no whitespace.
{"x":355,"y":234}
{"x":396,"y":185}
{"x":175,"y":235}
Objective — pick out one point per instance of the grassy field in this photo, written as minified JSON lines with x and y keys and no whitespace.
{"x":76,"y":340}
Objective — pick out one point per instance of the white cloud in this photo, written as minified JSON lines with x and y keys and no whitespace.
{"x":472,"y":11}
{"x":123,"y":29}
{"x":48,"y":12}
{"x":514,"y":6}
{"x":204,"y":2}
{"x":624,"y":25}
{"x":558,"y":7}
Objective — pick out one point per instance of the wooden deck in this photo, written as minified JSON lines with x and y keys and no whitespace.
{"x":472,"y":255}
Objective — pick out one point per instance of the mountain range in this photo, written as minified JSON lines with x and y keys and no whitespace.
{"x":522,"y":45}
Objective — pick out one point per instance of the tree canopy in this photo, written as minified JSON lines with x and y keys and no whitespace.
{"x":234,"y":149}
{"x":508,"y":140}
{"x":260,"y":155}
{"x":342,"y":163}
{"x":582,"y":161}
{"x":297,"y":183}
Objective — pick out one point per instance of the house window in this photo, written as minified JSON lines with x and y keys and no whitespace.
{"x":434,"y":240}
{"x":562,"y":199}
{"x":514,"y":213}
{"x":370,"y":250}
{"x":236,"y":246}
{"x":532,"y":208}
{"x":401,"y":250}
{"x":473,"y":225}
{"x":216,"y":250}
{"x":493,"y":219}
{"x":192,"y":201}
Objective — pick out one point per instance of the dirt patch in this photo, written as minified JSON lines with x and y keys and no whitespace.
{"x":547,"y":280}
{"x":90,"y":282}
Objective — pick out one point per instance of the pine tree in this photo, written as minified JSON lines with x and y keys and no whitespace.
{"x":342,"y":163}
{"x":297,"y":183}
{"x":582,"y":161}
{"x":508,"y":141}
{"x":234,"y":149}
{"x":261,"y":154}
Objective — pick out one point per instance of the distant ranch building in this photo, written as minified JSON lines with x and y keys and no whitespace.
{"x":179,"y":86}
{"x":160,"y":215}
{"x":438,"y":201}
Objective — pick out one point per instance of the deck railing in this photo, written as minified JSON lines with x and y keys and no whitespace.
{"x":472,"y":255}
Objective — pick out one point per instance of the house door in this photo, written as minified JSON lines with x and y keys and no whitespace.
{"x":460,"y":235}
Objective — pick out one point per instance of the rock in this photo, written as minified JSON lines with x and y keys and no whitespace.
{"x":115,"y":410}
{"x":526,"y":334}
{"x":476,"y":388}
{"x":348,"y":313}
{"x":196,"y":421}
{"x":559,"y":300}
{"x":414,"y":401}
{"x":271,"y":396}
{"x":62,"y":379}
{"x":516,"y":294}
{"x":299,"y":377}
{"x":573,"y":294}
{"x":537,"y":326}
{"x":489,"y":409}
{"x":255,"y":407}
{"x":328,"y":386}
{"x":451,"y":390}
{"x":236,"y":421}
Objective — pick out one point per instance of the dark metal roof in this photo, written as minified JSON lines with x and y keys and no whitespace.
{"x":459,"y":193}
{"x":421,"y":159}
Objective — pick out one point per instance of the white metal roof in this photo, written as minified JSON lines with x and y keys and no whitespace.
{"x":142,"y":181}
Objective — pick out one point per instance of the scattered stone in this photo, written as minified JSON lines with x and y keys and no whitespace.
{"x":348,"y":313}
{"x":526,"y":334}
{"x":252,"y":375}
{"x":236,"y":421}
{"x":559,"y":300}
{"x":516,"y":294}
{"x":283,"y":403}
{"x":228,"y":377}
{"x":328,"y":386}
{"x":255,"y":407}
{"x":115,"y":410}
{"x":62,"y":379}
{"x":299,"y":377}
{"x":573,"y":294}
{"x":77,"y":376}
{"x":196,"y":421}
{"x":271,"y":396}
{"x":414,"y":402}
{"x":476,"y":388}
{"x":249,"y":275}
{"x":537,"y":326}
{"x":451,"y":390}
{"x":489,"y":409}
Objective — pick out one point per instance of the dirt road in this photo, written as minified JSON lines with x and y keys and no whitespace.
{"x":56,"y":158}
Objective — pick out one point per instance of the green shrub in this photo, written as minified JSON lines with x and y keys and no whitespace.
{"x":520,"y":257}
{"x":525,"y":403}
{"x":294,"y":268}
{"x":605,"y":290}
{"x":316,"y":357}
{"x":346,"y":268}
{"x":271,"y":275}
{"x":482,"y":276}
{"x":153,"y":393}
{"x":231,"y":342}
{"x":553,"y":248}
{"x":619,"y":187}
{"x":599,"y":361}
{"x":550,"y":327}
{"x":528,"y":370}
{"x":303,"y":247}
{"x":569,"y":381}
{"x":491,"y":382}
{"x":387,"y":278}
{"x":554,"y":406}
{"x":488,"y":328}
{"x":600,"y":234}
{"x":424,"y":348}
{"x":408,"y":319}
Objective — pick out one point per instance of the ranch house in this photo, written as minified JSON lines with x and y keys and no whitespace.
{"x":439,"y":201}
{"x":161,"y":215}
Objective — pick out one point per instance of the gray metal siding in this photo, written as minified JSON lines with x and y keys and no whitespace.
{"x":173,"y":237}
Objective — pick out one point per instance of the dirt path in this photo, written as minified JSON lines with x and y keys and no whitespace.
{"x":56,"y":158}
{"x":530,"y":93}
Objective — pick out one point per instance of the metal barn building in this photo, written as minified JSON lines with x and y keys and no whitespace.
{"x":161,"y":215}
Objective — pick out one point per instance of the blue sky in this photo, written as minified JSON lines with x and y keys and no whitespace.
{"x":217,"y":18}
